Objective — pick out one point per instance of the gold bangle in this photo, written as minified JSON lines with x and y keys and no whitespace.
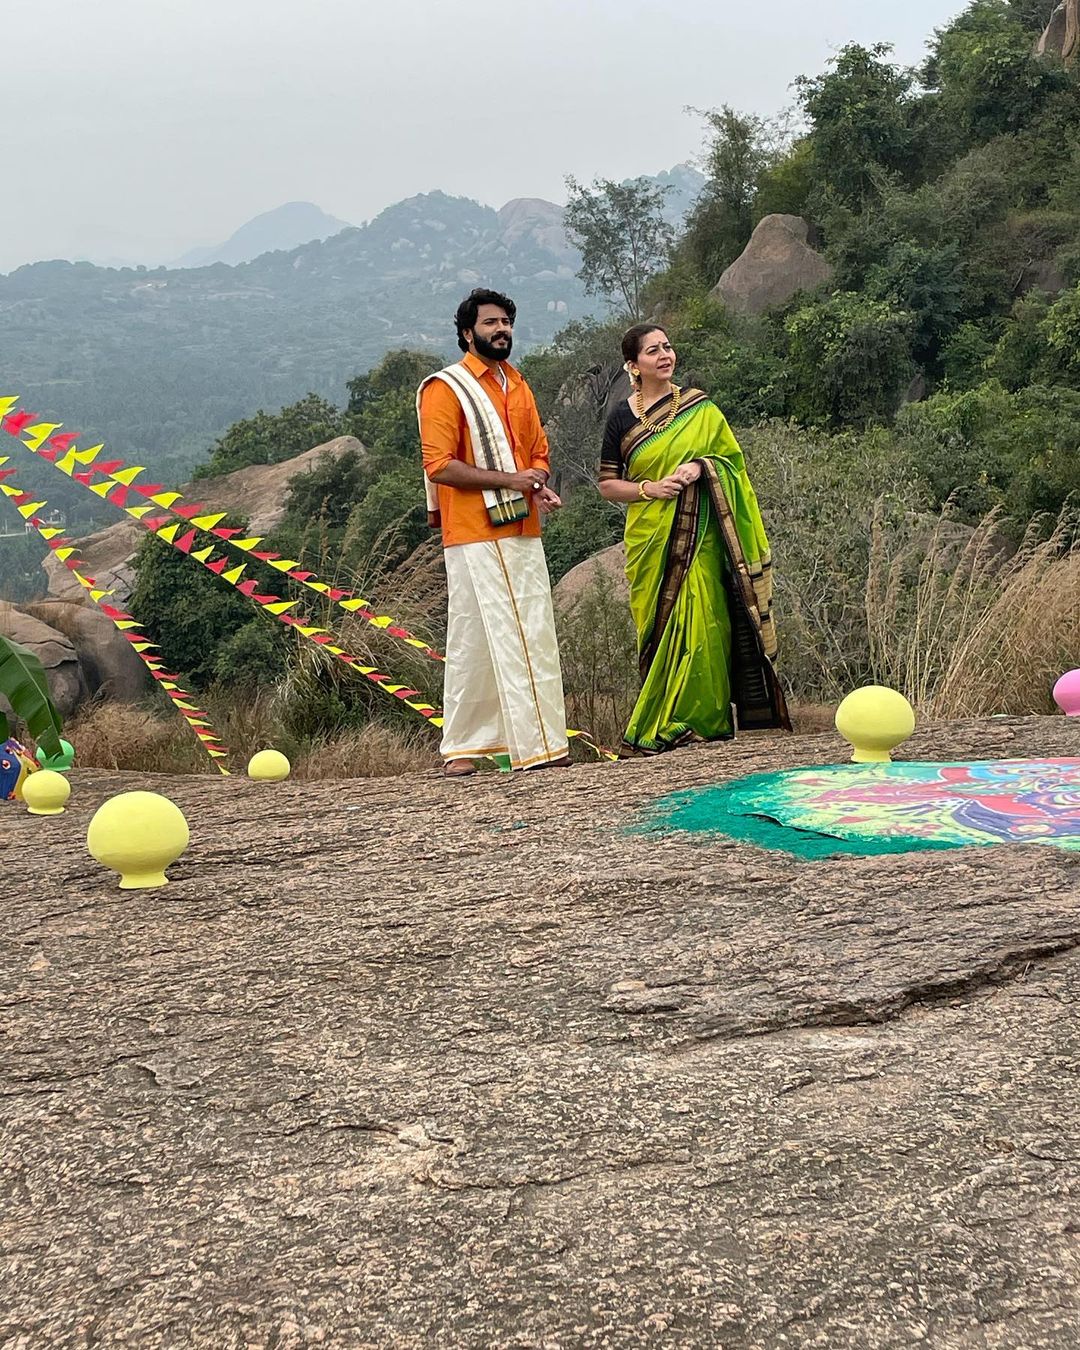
{"x":643,"y":496}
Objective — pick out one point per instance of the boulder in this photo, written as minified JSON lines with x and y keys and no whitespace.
{"x":107,"y":554}
{"x":110,"y":666}
{"x":606,"y":568}
{"x":776,"y":264}
{"x":1045,"y":274}
{"x":1061,"y":36}
{"x":259,"y":491}
{"x":67,"y":685}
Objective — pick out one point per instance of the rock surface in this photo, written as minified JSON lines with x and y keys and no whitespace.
{"x":67,"y":685}
{"x":1061,"y":37}
{"x":257,"y":492}
{"x":608,"y":568}
{"x":776,"y":264}
{"x":109,"y":665}
{"x":410,"y":1063}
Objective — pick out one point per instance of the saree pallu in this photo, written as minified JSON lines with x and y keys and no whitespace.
{"x":700,"y":588}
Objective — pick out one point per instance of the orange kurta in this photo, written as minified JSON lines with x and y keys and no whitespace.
{"x":444,"y":435}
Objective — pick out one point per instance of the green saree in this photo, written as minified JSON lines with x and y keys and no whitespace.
{"x":700,"y":588}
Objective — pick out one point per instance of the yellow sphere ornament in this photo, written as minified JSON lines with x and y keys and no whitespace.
{"x":874,"y":720}
{"x":138,"y":834}
{"x":268,"y":766}
{"x":45,"y":792}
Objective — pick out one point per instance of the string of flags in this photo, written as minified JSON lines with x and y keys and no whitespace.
{"x":125,"y":623}
{"x":178,"y":522}
{"x":119,"y":482}
{"x":34,"y":436}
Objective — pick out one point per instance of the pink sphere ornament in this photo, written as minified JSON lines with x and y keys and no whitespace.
{"x":1067,"y":693}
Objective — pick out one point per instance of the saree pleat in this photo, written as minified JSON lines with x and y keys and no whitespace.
{"x":700,"y":588}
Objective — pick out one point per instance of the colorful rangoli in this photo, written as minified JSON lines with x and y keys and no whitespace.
{"x":890,"y":808}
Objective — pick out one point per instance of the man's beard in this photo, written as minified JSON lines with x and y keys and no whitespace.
{"x":493,"y":351}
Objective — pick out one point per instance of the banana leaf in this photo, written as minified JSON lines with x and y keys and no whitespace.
{"x":22,"y":683}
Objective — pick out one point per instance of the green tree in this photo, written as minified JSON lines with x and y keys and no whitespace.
{"x":328,"y":492}
{"x":398,"y":372}
{"x":1061,"y":330}
{"x":1033,"y":15}
{"x":926,"y":283}
{"x":850,"y":359}
{"x":863,"y":124}
{"x":784,"y":187}
{"x":269,"y":438}
{"x":195,"y":618}
{"x":584,"y":526}
{"x":623,"y":237}
{"x":987,"y":447}
{"x":990,"y":79}
{"x":21,"y":574}
{"x":722,"y":219}
{"x":390,"y":522}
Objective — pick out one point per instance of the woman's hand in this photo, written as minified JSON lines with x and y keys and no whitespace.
{"x":687,"y":473}
{"x":665,"y":488}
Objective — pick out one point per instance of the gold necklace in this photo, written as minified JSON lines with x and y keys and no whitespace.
{"x":672,"y":412}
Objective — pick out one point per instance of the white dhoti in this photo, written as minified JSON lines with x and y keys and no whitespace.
{"x":503,"y":693}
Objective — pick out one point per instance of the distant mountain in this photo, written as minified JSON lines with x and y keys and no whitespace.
{"x":159,"y":362}
{"x":684,"y":186}
{"x":285,"y":227}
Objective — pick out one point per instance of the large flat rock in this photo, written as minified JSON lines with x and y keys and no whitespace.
{"x":412,"y":1063}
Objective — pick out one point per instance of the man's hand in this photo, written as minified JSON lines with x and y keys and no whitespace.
{"x":547,"y":501}
{"x":526,"y":480}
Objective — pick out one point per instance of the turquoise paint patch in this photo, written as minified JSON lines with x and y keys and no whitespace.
{"x":873,"y":809}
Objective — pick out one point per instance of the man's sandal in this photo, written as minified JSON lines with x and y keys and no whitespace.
{"x":459,"y":768}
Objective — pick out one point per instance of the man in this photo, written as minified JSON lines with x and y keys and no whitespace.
{"x":486,"y":468}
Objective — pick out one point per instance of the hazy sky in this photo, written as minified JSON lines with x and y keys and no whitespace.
{"x":139,"y":128}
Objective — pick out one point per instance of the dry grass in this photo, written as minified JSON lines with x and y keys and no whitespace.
{"x":374,"y":751}
{"x":962,"y":627}
{"x":121,"y":736}
{"x":110,"y":735}
{"x":811,"y":719}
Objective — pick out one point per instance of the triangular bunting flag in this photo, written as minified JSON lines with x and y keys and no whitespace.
{"x":127,"y":476}
{"x":16,"y":421}
{"x":37,"y":435}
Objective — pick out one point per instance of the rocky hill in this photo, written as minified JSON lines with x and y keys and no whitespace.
{"x":285,"y":227}
{"x":159,"y":362}
{"x":404,"y":1063}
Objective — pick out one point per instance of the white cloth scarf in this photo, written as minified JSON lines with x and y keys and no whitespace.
{"x":491,"y":447}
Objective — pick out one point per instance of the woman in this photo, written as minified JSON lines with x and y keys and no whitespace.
{"x":696,"y":558}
